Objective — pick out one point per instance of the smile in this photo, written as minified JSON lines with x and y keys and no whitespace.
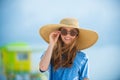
{"x":67,"y":38}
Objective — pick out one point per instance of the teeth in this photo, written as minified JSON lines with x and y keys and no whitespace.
{"x":67,"y":38}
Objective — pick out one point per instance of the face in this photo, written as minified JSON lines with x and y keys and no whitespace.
{"x":68,"y":34}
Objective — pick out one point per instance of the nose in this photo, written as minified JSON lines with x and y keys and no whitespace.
{"x":68,"y":33}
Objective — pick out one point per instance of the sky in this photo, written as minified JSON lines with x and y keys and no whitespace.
{"x":21,"y":19}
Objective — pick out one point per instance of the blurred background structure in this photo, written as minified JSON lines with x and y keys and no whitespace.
{"x":21,"y":45}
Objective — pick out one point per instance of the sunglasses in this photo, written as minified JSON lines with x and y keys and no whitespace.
{"x":73,"y":32}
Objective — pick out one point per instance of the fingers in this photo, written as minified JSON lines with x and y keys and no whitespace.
{"x":55,"y":33}
{"x":58,"y":33}
{"x":54,"y":36}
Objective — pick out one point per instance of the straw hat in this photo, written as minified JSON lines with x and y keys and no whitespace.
{"x":86,"y":38}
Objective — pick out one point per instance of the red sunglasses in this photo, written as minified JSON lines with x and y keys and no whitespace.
{"x":73,"y":32}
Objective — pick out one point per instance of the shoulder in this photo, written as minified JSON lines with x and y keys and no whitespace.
{"x":81,"y":58}
{"x":81,"y":55}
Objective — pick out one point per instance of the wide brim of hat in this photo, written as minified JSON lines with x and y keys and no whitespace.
{"x":85,"y":40}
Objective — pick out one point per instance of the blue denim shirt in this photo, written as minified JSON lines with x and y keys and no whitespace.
{"x":78,"y":71}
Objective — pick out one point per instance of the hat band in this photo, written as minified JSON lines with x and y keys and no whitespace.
{"x":71,"y":25}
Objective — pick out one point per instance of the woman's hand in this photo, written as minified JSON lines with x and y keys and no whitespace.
{"x":53,"y":37}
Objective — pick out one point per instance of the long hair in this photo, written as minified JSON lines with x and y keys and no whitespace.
{"x":63,"y":55}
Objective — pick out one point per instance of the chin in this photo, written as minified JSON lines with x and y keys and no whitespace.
{"x":67,"y":43}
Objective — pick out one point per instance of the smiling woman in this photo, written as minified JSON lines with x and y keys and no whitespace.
{"x":63,"y":57}
{"x":68,"y":38}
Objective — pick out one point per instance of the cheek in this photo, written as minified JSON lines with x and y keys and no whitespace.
{"x":73,"y":37}
{"x":62,"y":37}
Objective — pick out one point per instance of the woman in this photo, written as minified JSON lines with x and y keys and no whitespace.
{"x":63,"y":57}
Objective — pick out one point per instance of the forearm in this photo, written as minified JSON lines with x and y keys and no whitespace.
{"x":45,"y":61}
{"x":85,"y":79}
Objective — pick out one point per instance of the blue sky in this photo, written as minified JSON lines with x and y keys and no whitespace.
{"x":21,"y":19}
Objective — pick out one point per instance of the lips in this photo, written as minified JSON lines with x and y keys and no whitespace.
{"x":66,"y":38}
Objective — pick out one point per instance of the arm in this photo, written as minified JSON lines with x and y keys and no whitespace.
{"x":45,"y":61}
{"x":85,"y":79}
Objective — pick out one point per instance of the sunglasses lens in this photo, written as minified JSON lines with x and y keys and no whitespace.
{"x":73,"y":33}
{"x":64,"y":32}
